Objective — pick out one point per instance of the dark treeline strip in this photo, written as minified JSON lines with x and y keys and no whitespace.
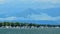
{"x":15,"y":24}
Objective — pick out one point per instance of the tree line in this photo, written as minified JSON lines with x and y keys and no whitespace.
{"x":15,"y":24}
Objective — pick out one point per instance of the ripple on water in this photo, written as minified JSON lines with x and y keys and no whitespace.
{"x":31,"y":31}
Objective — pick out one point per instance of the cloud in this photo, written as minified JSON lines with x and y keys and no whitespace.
{"x":43,"y":16}
{"x":2,"y":1}
{"x":45,"y":4}
{"x":11,"y":18}
{"x":8,"y":18}
{"x":41,"y":4}
{"x":55,"y":1}
{"x":49,"y":1}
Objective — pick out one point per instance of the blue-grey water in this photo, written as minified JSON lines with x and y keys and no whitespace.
{"x":30,"y":31}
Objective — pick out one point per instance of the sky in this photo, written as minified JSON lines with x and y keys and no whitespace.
{"x":30,"y":10}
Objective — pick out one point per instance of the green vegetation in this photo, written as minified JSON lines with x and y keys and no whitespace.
{"x":15,"y":24}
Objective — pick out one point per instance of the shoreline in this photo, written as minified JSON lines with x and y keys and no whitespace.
{"x":25,"y":27}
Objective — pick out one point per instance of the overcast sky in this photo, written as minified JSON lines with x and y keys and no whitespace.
{"x":30,"y":10}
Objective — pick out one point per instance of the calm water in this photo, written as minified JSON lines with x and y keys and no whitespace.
{"x":31,"y":31}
